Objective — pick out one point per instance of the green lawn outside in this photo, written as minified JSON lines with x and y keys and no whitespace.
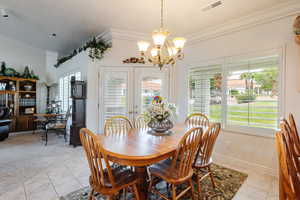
{"x":263,"y":117}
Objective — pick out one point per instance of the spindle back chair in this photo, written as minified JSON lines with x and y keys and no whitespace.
{"x":197,"y":119}
{"x":117,"y":125}
{"x":104,"y":179}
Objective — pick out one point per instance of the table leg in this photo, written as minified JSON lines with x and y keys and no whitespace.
{"x":142,"y":182}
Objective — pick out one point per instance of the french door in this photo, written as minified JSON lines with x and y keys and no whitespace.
{"x":128,"y":91}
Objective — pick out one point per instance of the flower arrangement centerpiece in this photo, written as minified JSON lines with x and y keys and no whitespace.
{"x":159,"y":115}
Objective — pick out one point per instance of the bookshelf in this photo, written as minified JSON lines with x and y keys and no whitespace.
{"x":19,"y":94}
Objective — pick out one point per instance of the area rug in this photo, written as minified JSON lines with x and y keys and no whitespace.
{"x":228,"y":182}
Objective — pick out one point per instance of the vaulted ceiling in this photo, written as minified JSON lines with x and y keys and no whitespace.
{"x":74,"y":21}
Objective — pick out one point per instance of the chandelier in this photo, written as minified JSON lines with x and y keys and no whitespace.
{"x":163,"y":52}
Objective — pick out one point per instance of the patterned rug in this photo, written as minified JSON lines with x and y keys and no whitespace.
{"x":228,"y":182}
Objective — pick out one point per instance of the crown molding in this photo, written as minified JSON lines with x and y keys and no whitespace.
{"x":279,"y":11}
{"x":120,"y":34}
{"x":268,"y":15}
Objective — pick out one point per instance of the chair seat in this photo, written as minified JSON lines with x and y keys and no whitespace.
{"x":200,"y":163}
{"x":122,"y":177}
{"x":40,"y":120}
{"x":163,"y":170}
{"x":55,"y":126}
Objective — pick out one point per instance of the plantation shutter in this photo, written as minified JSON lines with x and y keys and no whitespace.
{"x":115,"y":94}
{"x":205,"y":92}
{"x":252,"y":95}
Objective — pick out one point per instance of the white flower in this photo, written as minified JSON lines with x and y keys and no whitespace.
{"x":160,"y":112}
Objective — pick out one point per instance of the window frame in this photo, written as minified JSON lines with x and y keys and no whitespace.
{"x":69,"y":90}
{"x":223,"y":62}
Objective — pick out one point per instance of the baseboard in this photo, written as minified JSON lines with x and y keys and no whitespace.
{"x":226,"y":160}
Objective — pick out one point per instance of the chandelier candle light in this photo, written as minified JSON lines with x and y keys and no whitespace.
{"x":163,"y":52}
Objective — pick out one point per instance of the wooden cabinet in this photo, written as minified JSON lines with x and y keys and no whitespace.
{"x":25,"y":123}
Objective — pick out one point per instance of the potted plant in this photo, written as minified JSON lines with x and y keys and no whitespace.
{"x":297,"y":29}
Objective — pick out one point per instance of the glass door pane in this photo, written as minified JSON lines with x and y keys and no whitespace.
{"x":115,"y":93}
{"x":151,"y":87}
{"x":149,"y":83}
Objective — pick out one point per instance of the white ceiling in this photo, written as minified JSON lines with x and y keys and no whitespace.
{"x":74,"y":21}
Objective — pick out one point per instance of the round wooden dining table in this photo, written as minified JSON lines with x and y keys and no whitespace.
{"x":139,"y":149}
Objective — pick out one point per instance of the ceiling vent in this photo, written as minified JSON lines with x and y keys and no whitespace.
{"x":212,"y":5}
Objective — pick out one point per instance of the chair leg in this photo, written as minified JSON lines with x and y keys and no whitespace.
{"x":65,"y":135}
{"x":198,"y":186}
{"x":211,"y":177}
{"x":136,"y":192}
{"x":91,"y":195}
{"x":46,"y":137}
{"x":168,"y":188}
{"x":109,"y":198}
{"x":192,"y":188}
{"x":173,"y":192}
{"x":125,"y":193}
{"x":150,"y":184}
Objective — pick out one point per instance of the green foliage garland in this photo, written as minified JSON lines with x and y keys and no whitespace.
{"x":96,"y":51}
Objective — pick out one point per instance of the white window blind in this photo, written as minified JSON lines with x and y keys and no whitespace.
{"x":115,"y":94}
{"x":65,"y":90}
{"x":252,"y":92}
{"x":241,"y":94}
{"x":205,"y":91}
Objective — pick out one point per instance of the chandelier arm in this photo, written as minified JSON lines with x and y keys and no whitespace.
{"x":149,"y":58}
{"x":172,"y":57}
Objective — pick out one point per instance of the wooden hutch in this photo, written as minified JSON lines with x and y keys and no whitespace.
{"x":19,"y":94}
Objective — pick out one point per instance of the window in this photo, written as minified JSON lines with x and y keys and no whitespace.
{"x":205,"y":91}
{"x":252,"y":93}
{"x":65,"y":90}
{"x":241,"y":94}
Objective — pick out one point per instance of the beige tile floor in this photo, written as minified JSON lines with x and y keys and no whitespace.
{"x":31,"y":171}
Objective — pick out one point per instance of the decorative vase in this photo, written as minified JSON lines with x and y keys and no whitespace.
{"x":161,"y":126}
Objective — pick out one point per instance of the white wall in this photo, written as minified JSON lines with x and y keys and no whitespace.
{"x":18,"y":55}
{"x":276,"y":34}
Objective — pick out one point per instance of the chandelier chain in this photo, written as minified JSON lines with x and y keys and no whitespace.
{"x":161,"y":14}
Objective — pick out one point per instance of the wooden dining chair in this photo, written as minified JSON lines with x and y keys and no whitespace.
{"x":203,"y":159}
{"x":291,"y":134}
{"x":140,"y":122}
{"x":289,"y":183}
{"x":178,"y":170}
{"x":295,"y":134}
{"x":287,"y":132}
{"x":103,"y":178}
{"x":117,"y":125}
{"x":196,"y":119}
